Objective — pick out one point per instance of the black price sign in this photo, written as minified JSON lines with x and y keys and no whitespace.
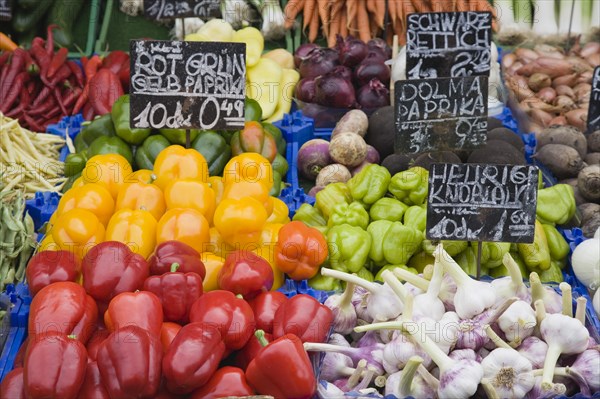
{"x":482,"y":202}
{"x":593,"y":122}
{"x":5,"y":10}
{"x":448,"y":44}
{"x":440,"y":114}
{"x":186,"y":85}
{"x":160,"y":10}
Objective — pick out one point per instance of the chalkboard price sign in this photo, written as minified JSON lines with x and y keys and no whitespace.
{"x":160,"y":10}
{"x":5,"y":10}
{"x":185,"y":85}
{"x":448,"y":44}
{"x":594,"y":108}
{"x":440,"y":114}
{"x":482,"y":202}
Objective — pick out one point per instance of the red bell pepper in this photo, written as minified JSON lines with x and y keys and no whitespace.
{"x":92,"y":384}
{"x":177,"y":293}
{"x":94,"y":343}
{"x":110,"y":268}
{"x":168,"y":332}
{"x":20,"y":356}
{"x":226,"y":381}
{"x":129,"y":361}
{"x":104,"y":89}
{"x":244,"y":356}
{"x":12,"y":385}
{"x":303,"y":316}
{"x":264,"y":307}
{"x":54,"y":367}
{"x":245,"y":273}
{"x":63,"y":307}
{"x":193,"y":357}
{"x":282,"y":369}
{"x":47,"y":267}
{"x":141,"y":309}
{"x":231,"y":315}
{"x":170,"y":252}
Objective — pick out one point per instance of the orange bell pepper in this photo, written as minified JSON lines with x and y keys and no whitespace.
{"x":141,"y":176}
{"x":191,"y":194}
{"x":6,"y":44}
{"x":243,"y":189}
{"x":134,"y":228}
{"x":213,"y":264}
{"x":109,"y":170}
{"x":266,"y":250}
{"x":249,"y":167}
{"x":217,"y":185}
{"x":176,"y":162}
{"x":142,"y":196}
{"x":240,"y":221}
{"x":77,"y":230}
{"x":186,"y":225}
{"x":78,"y":183}
{"x":93,"y":196}
{"x":280,"y":213}
{"x":300,"y":250}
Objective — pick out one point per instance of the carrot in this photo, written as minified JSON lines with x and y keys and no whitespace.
{"x":292,"y":9}
{"x":6,"y":44}
{"x":324,"y":9}
{"x":351,"y":10}
{"x":309,"y":11}
{"x":313,"y":29}
{"x":364,"y":30}
{"x":392,"y":11}
{"x":336,"y":19}
{"x":380,"y":12}
{"x":344,"y":24}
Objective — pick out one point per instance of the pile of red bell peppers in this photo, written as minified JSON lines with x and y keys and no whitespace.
{"x":146,"y":329}
{"x":39,"y":86}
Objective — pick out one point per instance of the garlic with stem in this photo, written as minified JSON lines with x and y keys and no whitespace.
{"x":489,"y":389}
{"x":472,"y":296}
{"x":447,"y":287}
{"x":428,"y":304}
{"x":509,"y":372}
{"x":372,"y":355}
{"x":344,"y":314}
{"x":552,"y":299}
{"x":537,"y":392}
{"x":535,"y":350}
{"x":567,"y":299}
{"x":588,"y":365}
{"x":408,"y":383}
{"x":512,"y":285}
{"x":518,"y":322}
{"x":580,"y":310}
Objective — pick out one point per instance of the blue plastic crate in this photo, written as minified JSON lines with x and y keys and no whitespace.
{"x":41,"y":207}
{"x":15,"y":324}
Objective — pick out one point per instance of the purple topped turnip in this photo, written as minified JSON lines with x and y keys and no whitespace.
{"x":334,"y":173}
{"x":348,"y":149}
{"x":354,"y":121}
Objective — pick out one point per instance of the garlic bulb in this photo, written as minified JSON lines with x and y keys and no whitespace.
{"x":518,"y":322}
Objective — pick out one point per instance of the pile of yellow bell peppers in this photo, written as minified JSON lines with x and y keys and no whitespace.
{"x":270,"y":77}
{"x":178,"y":200}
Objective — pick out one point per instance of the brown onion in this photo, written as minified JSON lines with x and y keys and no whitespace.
{"x":541,"y":117}
{"x":536,"y":103}
{"x":514,"y":68}
{"x":528,"y":69}
{"x":589,"y":49}
{"x":526,"y":55}
{"x":568,"y":80}
{"x":564,"y":90}
{"x":553,"y":67}
{"x":585,"y":77}
{"x":593,"y":60}
{"x":558,"y":120}
{"x":538,"y":81}
{"x":563,"y":102}
{"x":582,"y":90}
{"x":577,"y":118}
{"x":518,"y":85}
{"x":578,"y":64}
{"x":546,"y":50}
{"x":547,"y":94}
{"x":508,"y":60}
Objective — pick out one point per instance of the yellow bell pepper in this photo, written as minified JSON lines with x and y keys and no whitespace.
{"x":48,"y":243}
{"x":94,"y":197}
{"x":266,"y":249}
{"x":255,"y":44}
{"x":217,"y":185}
{"x":110,"y":170}
{"x":240,"y":221}
{"x":217,"y":30}
{"x":213,"y":265}
{"x":259,"y":84}
{"x":217,"y":246}
{"x":142,"y":196}
{"x":243,"y":189}
{"x":280,"y":213}
{"x":186,"y":225}
{"x":287,"y":84}
{"x":281,"y":56}
{"x":250,"y":167}
{"x":176,"y":162}
{"x":191,"y":194}
{"x":141,"y":176}
{"x":77,"y":231}
{"x":77,"y":183}
{"x":134,"y":228}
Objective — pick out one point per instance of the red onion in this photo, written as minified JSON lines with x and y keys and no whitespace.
{"x":372,"y":155}
{"x":375,"y":55}
{"x":373,"y":95}
{"x":334,"y":91}
{"x":380,"y":44}
{"x":343,"y":71}
{"x":318,"y":62}
{"x":305,"y":90}
{"x":302,"y":52}
{"x":368,"y":70}
{"x":352,"y":50}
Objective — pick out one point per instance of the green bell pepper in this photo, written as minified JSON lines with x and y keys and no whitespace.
{"x":392,"y":267}
{"x":278,"y":136}
{"x":348,"y":247}
{"x":558,"y":246}
{"x":553,"y":274}
{"x":467,"y":260}
{"x":378,"y":230}
{"x":214,"y":149}
{"x":502,"y":271}
{"x":392,"y":242}
{"x":556,"y":204}
{"x":75,"y":163}
{"x":410,"y":186}
{"x":387,"y":209}
{"x":325,"y":283}
{"x":177,"y":136}
{"x":537,"y":254}
{"x":252,"y":110}
{"x":69,"y":182}
{"x":330,"y":196}
{"x":453,"y":248}
{"x":366,"y":274}
{"x":496,"y":252}
{"x":370,"y":184}
{"x":90,"y":131}
{"x":110,"y":145}
{"x":146,"y":153}
{"x":276,"y":188}
{"x":416,"y":217}
{"x":310,"y":216}
{"x":120,"y":117}
{"x":353,"y":214}
{"x":280,"y":164}
{"x":419,"y":260}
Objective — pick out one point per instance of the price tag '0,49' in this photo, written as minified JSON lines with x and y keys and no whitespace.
{"x":187,"y":85}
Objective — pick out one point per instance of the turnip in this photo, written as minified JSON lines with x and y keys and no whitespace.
{"x":334,"y":173}
{"x":355,"y":121}
{"x":592,"y":158}
{"x":567,"y":135}
{"x":348,"y":149}
{"x":312,"y":157}
{"x":593,"y":140}
{"x":372,"y":155}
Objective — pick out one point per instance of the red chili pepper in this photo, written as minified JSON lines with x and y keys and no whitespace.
{"x":169,"y":252}
{"x":92,"y":384}
{"x":282,"y":369}
{"x":31,"y":124}
{"x":82,"y":100}
{"x":44,"y":109}
{"x":225,"y":382}
{"x":50,"y":39}
{"x":30,"y":65}
{"x":58,"y":96}
{"x":124,"y":76}
{"x":46,"y":361}
{"x":51,"y":121}
{"x":42,"y":59}
{"x":12,"y":385}
{"x":92,"y":66}
{"x":38,"y":41}
{"x":245,"y":273}
{"x":303,"y":316}
{"x":88,"y":112}
{"x":244,"y":356}
{"x":264,"y":307}
{"x":70,"y":98}
{"x":94,"y":343}
{"x":23,"y":102}
{"x":47,"y":267}
{"x":63,"y":73}
{"x":168,"y":332}
{"x":77,"y":72}
{"x":233,"y":316}
{"x":193,"y":357}
{"x":115,"y":60}
{"x":58,"y":60}
{"x":43,"y":94}
{"x":129,"y":361}
{"x":4,"y":58}
{"x":15,"y":70}
{"x":84,"y":60}
{"x":141,"y":308}
{"x":105,"y":89}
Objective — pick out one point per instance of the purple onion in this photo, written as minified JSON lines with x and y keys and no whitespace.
{"x":379,"y":44}
{"x":334,"y":91}
{"x":343,"y":71}
{"x":305,"y":90}
{"x":372,"y":155}
{"x":302,"y":52}
{"x":374,"y":55}
{"x":368,"y":70}
{"x":312,"y":157}
{"x":373,"y":95}
{"x":319,"y":61}
{"x":352,"y":50}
